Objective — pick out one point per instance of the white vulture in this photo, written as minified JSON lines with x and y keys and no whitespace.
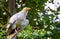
{"x":18,"y":21}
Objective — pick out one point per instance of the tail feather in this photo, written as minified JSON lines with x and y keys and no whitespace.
{"x":8,"y":29}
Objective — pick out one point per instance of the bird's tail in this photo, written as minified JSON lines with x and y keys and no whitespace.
{"x":8,"y":27}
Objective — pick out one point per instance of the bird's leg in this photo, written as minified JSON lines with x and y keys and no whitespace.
{"x":16,"y":31}
{"x":13,"y":36}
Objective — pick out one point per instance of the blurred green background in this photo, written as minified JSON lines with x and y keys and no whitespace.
{"x":44,"y":21}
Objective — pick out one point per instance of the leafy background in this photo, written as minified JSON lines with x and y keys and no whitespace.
{"x":42,"y":24}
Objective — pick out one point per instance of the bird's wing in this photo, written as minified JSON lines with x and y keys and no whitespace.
{"x":11,"y":23}
{"x":24,"y":24}
{"x":9,"y":28}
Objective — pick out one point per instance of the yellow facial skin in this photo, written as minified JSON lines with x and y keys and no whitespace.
{"x":27,"y":9}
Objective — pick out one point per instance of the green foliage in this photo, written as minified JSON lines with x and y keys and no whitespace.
{"x":2,"y":32}
{"x":30,"y":33}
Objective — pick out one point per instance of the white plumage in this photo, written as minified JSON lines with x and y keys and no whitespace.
{"x":18,"y":20}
